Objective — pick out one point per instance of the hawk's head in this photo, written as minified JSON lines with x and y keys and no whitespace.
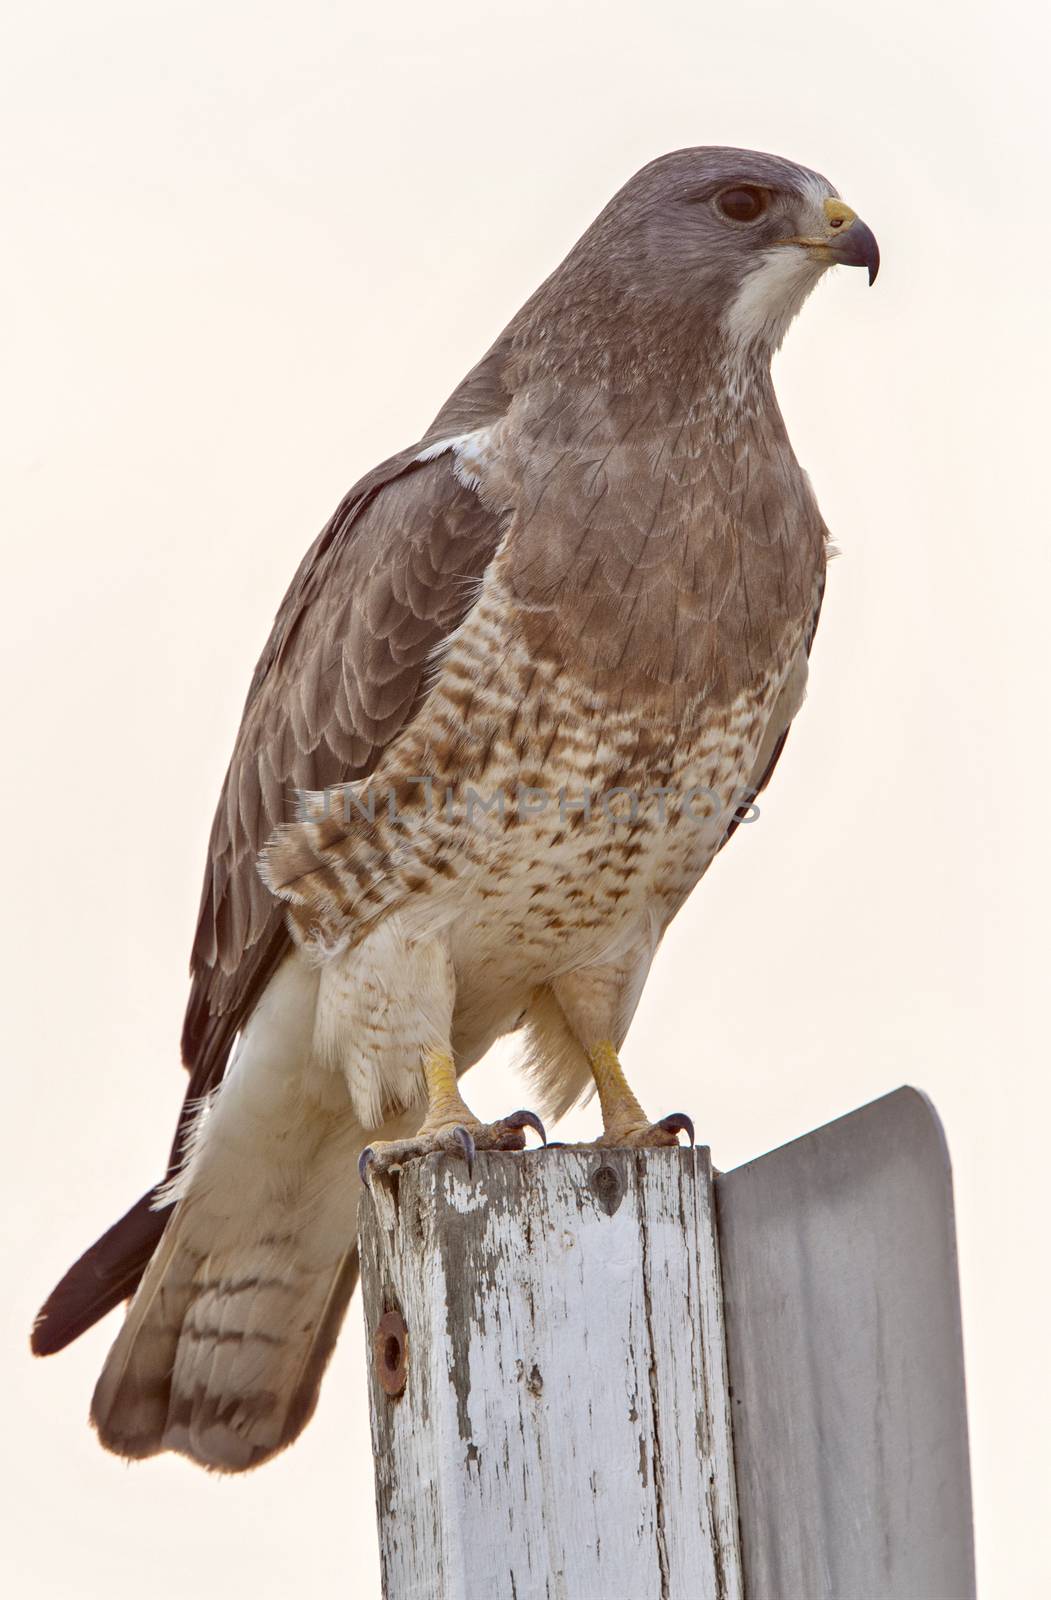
{"x":705,"y":253}
{"x":751,"y":233}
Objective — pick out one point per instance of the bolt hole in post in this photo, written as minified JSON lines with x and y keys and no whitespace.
{"x":605,"y":1186}
{"x":390,"y":1344}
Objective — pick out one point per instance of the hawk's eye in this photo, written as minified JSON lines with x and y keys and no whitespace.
{"x":742,"y":204}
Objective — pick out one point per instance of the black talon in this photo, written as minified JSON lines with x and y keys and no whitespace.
{"x":527,"y":1119}
{"x":678,"y":1122}
{"x":464,"y":1140}
{"x":365,"y":1160}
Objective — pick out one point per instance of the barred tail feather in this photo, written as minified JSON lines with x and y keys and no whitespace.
{"x":223,"y":1349}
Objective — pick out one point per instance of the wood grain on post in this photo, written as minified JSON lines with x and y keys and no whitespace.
{"x":548,"y":1379}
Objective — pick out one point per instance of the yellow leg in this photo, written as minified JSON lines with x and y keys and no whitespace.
{"x":446,"y":1107}
{"x":623,"y":1119}
{"x":620,"y":1109}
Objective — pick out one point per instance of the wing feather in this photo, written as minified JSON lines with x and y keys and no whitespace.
{"x":780,"y":722}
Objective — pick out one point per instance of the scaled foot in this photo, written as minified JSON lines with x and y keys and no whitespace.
{"x":462,"y":1137}
{"x":645,"y":1135}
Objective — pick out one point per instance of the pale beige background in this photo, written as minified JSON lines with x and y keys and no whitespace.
{"x":249,"y":250}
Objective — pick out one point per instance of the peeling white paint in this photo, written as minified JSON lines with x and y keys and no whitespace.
{"x":564,"y":1430}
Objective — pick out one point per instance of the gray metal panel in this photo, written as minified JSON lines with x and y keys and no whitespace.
{"x":846,"y":1362}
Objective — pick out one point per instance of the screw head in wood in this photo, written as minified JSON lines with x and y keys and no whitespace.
{"x":390,"y":1350}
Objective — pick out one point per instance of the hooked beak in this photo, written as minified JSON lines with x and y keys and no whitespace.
{"x":845,"y":240}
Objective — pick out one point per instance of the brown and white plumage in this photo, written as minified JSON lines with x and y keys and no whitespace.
{"x":600,"y":569}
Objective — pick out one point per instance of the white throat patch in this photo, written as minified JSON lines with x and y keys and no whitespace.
{"x":770,"y":297}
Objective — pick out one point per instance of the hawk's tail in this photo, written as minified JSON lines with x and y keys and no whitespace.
{"x":224,"y":1346}
{"x":223,"y":1350}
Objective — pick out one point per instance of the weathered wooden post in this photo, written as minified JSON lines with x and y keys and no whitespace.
{"x":549,"y":1395}
{"x":565,"y":1406}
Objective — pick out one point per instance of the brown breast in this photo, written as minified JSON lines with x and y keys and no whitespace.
{"x":654,"y":554}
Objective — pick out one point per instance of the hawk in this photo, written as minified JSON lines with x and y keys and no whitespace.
{"x":511,"y":707}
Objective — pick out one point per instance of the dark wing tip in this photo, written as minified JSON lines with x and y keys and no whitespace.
{"x":105,"y":1274}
